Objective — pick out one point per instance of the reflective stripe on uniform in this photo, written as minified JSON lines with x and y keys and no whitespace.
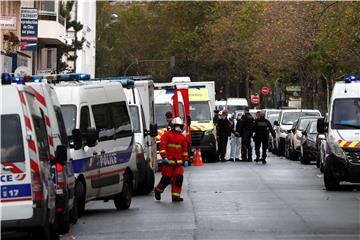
{"x":176,"y":194}
{"x":177,"y":161}
{"x":174,"y":145}
{"x":185,"y":154}
{"x":171,"y":161}
{"x":162,"y":151}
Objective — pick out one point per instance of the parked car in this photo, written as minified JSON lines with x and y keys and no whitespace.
{"x":293,"y":139}
{"x":286,"y":119}
{"x":308,"y":148}
{"x":28,"y":194}
{"x":272,"y":118}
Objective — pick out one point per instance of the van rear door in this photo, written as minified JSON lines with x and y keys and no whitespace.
{"x":16,"y":195}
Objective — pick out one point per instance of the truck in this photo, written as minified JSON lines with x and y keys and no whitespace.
{"x":236,"y":104}
{"x":202,"y":106}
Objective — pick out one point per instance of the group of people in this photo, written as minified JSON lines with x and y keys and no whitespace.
{"x":241,"y":128}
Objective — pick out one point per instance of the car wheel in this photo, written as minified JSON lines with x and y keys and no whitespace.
{"x":80,"y":197}
{"x":330,"y":182}
{"x":123,"y":200}
{"x":74,"y":212}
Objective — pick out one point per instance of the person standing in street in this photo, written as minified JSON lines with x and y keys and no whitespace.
{"x":262,"y":127}
{"x":245,"y":127}
{"x":223,"y":132}
{"x":169,"y":117}
{"x":235,"y":141}
{"x":174,"y":153}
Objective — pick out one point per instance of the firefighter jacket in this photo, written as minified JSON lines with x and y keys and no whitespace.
{"x":173,"y":146}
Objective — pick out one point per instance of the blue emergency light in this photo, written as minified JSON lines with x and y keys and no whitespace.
{"x":125,"y":81}
{"x":73,"y":77}
{"x":351,"y":78}
{"x":36,"y":79}
{"x":5,"y":78}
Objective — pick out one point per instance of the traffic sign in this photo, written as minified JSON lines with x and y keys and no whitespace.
{"x":255,"y":99}
{"x":265,"y":90}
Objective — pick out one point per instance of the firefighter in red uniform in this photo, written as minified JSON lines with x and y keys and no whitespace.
{"x":174,"y":152}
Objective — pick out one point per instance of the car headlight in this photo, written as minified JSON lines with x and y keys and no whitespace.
{"x":337,"y":150}
{"x":208,"y":132}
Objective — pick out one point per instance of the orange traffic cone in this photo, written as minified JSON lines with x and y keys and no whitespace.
{"x":197,"y":158}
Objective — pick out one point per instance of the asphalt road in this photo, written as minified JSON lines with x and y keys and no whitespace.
{"x":241,"y":200}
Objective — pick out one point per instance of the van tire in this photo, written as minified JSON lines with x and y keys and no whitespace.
{"x":74,"y":212}
{"x":46,"y":232}
{"x":331,"y":183}
{"x":64,"y":222}
{"x":123,"y":200}
{"x":147,"y":185}
{"x":80,"y":197}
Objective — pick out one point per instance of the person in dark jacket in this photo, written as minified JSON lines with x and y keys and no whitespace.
{"x":261,"y":129}
{"x":223,"y":132}
{"x":244,"y":128}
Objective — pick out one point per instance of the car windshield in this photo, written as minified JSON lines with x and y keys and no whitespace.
{"x":200,"y":111}
{"x":12,"y":149}
{"x":134,"y":113}
{"x":69,"y":115}
{"x":303,"y":123}
{"x":160,"y":111}
{"x":234,"y":108}
{"x":290,"y":117}
{"x":346,"y":114}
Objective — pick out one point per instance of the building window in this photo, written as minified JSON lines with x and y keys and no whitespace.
{"x":47,"y":6}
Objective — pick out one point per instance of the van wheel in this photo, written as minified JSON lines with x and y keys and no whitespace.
{"x":147,"y":185}
{"x":74,"y":212}
{"x":64,"y":222}
{"x":46,"y":232}
{"x":80,"y":197}
{"x":303,"y":160}
{"x":123,"y":199}
{"x":330,"y":182}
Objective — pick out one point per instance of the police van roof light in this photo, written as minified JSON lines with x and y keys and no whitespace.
{"x":74,"y":77}
{"x":5,"y":78}
{"x":351,"y":78}
{"x":19,"y":80}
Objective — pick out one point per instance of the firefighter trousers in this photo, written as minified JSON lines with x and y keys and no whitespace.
{"x":173,"y":175}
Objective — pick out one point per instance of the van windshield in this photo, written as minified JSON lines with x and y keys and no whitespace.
{"x":12,"y":148}
{"x":200,"y":111}
{"x":134,"y":113}
{"x":160,"y":110}
{"x":290,"y":117}
{"x":234,"y":108}
{"x":69,"y":115}
{"x":346,"y":114}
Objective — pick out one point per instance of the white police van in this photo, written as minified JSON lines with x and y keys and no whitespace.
{"x":102,"y":141}
{"x":342,"y":132}
{"x":62,"y":172}
{"x":27,"y":191}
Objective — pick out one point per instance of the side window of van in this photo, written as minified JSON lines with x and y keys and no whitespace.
{"x":84,"y":118}
{"x":62,"y":129}
{"x":121,"y":119}
{"x":42,"y":142}
{"x":102,"y":116}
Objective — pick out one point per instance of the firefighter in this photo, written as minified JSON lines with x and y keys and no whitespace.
{"x":174,"y":152}
{"x":244,"y":128}
{"x":262,"y":127}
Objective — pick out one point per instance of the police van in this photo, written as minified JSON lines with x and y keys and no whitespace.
{"x":342,"y":132}
{"x":102,"y":141}
{"x":63,"y":175}
{"x":27,"y":192}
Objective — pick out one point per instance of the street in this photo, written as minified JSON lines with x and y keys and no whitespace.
{"x":233,"y":200}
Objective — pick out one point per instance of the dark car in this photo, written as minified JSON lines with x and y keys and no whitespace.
{"x":309,"y":145}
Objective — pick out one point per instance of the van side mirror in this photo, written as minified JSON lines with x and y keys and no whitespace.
{"x":91,"y":136}
{"x":61,"y":154}
{"x":153,"y":130}
{"x":321,"y":125}
{"x":276,"y":123}
{"x":77,"y":139}
{"x":188,"y":120}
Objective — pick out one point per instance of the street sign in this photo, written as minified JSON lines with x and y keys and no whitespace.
{"x":255,"y":99}
{"x":29,"y":29}
{"x":265,"y":90}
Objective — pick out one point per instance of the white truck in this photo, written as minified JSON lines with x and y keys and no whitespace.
{"x":236,"y":104}
{"x":342,"y":133}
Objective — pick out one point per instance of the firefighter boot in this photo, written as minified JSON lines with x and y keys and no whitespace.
{"x":177,"y":199}
{"x":157,"y":194}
